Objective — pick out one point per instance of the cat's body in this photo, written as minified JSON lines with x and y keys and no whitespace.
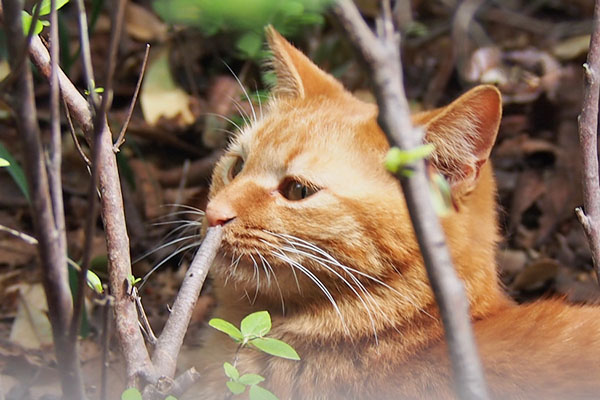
{"x":323,"y":233}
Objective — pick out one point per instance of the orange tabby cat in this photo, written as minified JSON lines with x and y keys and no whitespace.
{"x":317,"y":233}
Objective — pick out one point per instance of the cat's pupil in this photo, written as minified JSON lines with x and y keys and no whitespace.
{"x":294,"y":190}
{"x":236,"y":168}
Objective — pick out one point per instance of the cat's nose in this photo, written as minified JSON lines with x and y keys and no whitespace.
{"x":219,"y":213}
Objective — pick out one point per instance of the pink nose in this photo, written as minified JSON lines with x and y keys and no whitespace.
{"x":219,"y":213}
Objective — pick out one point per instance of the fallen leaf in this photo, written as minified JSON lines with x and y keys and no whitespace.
{"x":161,"y":97}
{"x":535,"y":275}
{"x":143,"y":25}
{"x":31,"y":328}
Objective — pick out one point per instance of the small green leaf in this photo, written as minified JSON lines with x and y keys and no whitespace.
{"x":3,"y":162}
{"x":170,"y":398}
{"x":235,"y":387}
{"x":256,"y":324}
{"x":15,"y":171}
{"x":251,"y":379}
{"x":26,"y":21}
{"x":231,"y":371}
{"x":45,"y":7}
{"x":250,"y":44}
{"x":441,"y":194}
{"x":275,"y":347}
{"x":396,"y":159}
{"x":226,"y":327}
{"x":260,"y":393}
{"x":94,"y":282}
{"x":131,"y":394}
{"x":133,"y":280}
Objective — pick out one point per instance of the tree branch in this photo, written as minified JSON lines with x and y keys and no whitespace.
{"x":50,"y":237}
{"x":382,"y":55}
{"x":132,"y":342}
{"x":171,"y":338}
{"x":588,"y":139}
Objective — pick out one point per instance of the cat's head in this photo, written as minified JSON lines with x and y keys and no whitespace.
{"x":309,"y":213}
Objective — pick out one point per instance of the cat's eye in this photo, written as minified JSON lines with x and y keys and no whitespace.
{"x":235,"y":168}
{"x":293,"y":190}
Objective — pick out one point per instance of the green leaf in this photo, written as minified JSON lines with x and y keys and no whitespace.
{"x":133,"y":280}
{"x":15,"y":170}
{"x":250,"y":44}
{"x":170,"y":398}
{"x":235,"y":387}
{"x":441,"y":194}
{"x":26,"y":21}
{"x":131,"y":394}
{"x":231,"y":371}
{"x":251,"y":379}
{"x":275,"y":347}
{"x":3,"y":162}
{"x":260,"y":393}
{"x":226,"y":327}
{"x":256,"y":324}
{"x":45,"y":7}
{"x":396,"y":159}
{"x":94,"y":282}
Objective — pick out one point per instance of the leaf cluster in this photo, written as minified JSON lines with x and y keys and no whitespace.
{"x":44,"y":10}
{"x":245,"y":18}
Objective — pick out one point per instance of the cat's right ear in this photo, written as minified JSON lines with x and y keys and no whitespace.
{"x":297,"y":76}
{"x":463,"y":133}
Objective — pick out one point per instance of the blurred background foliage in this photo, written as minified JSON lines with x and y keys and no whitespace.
{"x":245,"y":18}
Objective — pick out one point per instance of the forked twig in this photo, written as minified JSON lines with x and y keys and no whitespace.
{"x":588,"y":139}
{"x":382,"y":54}
{"x":121,"y":139}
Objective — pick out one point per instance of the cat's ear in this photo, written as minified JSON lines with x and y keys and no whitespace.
{"x":463,"y":133}
{"x":297,"y":76}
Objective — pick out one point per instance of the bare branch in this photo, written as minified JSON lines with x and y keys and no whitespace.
{"x":100,"y":126}
{"x":588,"y":138}
{"x":52,"y":255}
{"x":132,"y":342}
{"x":121,"y":139}
{"x":171,"y":338}
{"x":383,"y":58}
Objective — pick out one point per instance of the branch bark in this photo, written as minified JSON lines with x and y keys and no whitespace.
{"x":382,"y":55}
{"x":588,"y":139}
{"x":138,"y":362}
{"x":171,"y":338}
{"x":48,"y":219}
{"x":132,"y":342}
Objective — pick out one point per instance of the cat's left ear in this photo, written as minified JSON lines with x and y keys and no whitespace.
{"x":297,"y":76}
{"x":463,"y":133}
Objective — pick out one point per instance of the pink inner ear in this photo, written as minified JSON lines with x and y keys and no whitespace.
{"x":464,"y":133}
{"x":487,"y":106}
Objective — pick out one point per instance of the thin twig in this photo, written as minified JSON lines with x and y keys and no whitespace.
{"x":106,"y":311}
{"x":171,"y":338}
{"x":84,"y":157}
{"x":100,"y":128}
{"x":8,"y":81}
{"x":121,"y":139}
{"x":23,"y":236}
{"x":53,"y":260}
{"x":86,"y":55}
{"x":588,"y":138}
{"x":133,"y":348}
{"x":383,"y":58}
{"x":55,"y":152}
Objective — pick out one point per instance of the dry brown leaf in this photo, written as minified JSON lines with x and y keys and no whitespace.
{"x":161,"y":97}
{"x":143,"y":25}
{"x":571,"y":48}
{"x":31,"y":328}
{"x":535,"y":275}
